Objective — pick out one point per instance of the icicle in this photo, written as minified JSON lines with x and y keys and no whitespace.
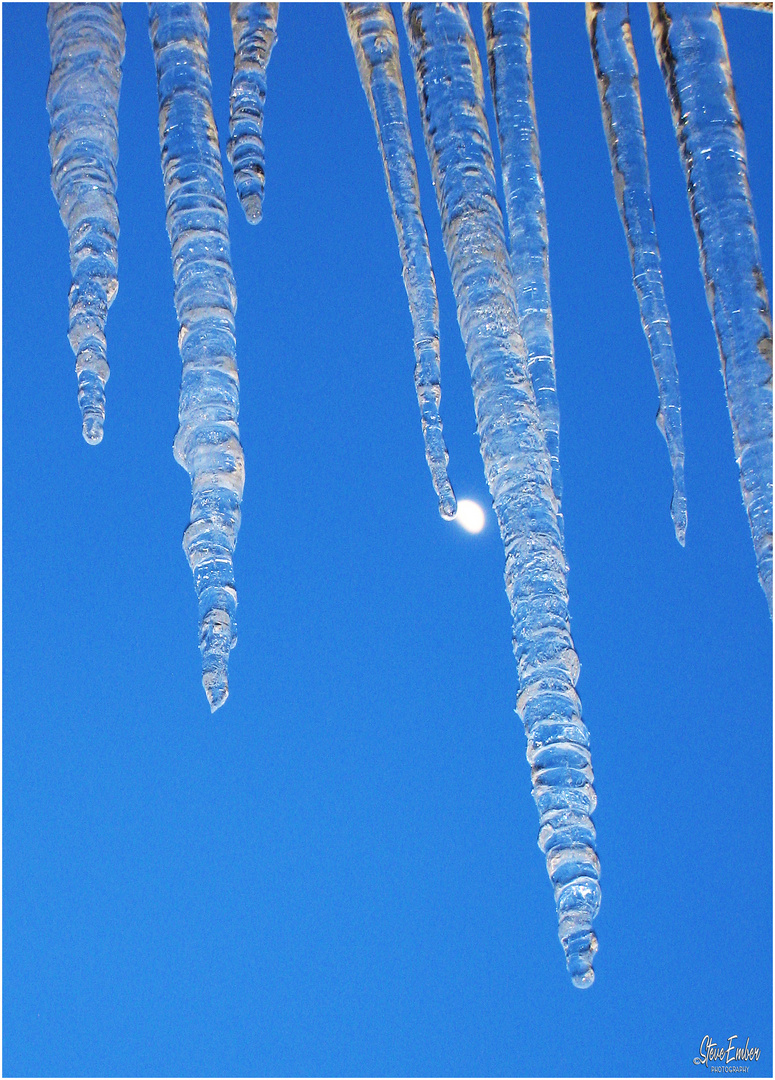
{"x":507,"y":33}
{"x":616,"y":67}
{"x":692,"y":52}
{"x":517,"y":464}
{"x":374,"y":39}
{"x":254,"y":29}
{"x":87,"y":48}
{"x":207,"y":443}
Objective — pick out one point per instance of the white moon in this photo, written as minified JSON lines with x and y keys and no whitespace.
{"x":470,"y":516}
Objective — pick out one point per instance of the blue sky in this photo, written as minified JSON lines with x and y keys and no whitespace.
{"x":337,"y":873}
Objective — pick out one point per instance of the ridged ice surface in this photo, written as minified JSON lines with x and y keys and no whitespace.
{"x":207,"y":442}
{"x":374,"y":39}
{"x":616,"y":68}
{"x":517,"y":464}
{"x":254,"y":29}
{"x":692,"y":52}
{"x":507,"y":34}
{"x":87,"y":48}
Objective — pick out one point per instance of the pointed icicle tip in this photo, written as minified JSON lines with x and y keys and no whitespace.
{"x":679,"y":515}
{"x":92,"y":429}
{"x":580,"y":949}
{"x":216,"y":642}
{"x":447,"y":502}
{"x":91,"y":398}
{"x":253,"y":208}
{"x":216,"y":686}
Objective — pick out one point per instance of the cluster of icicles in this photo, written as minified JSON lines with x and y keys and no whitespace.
{"x":501,"y":290}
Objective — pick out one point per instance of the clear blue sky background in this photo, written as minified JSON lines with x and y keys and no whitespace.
{"x":338,"y":872}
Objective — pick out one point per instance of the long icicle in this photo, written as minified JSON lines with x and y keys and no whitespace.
{"x":507,"y":34}
{"x":692,"y":53}
{"x":87,"y":48}
{"x":254,"y":30}
{"x":517,"y":464}
{"x":374,"y":39}
{"x":616,"y":68}
{"x":207,"y":442}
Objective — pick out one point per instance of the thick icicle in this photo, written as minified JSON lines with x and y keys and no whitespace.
{"x":517,"y":464}
{"x":207,"y":443}
{"x":692,"y":52}
{"x":87,"y":48}
{"x":616,"y":68}
{"x":374,"y":39}
{"x":254,"y":29}
{"x":507,"y":33}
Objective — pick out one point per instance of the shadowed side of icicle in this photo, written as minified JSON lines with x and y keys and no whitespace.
{"x":207,"y":442}
{"x":372,"y":31}
{"x":254,"y":30}
{"x":516,"y":461}
{"x":87,"y":48}
{"x":692,"y":53}
{"x":616,"y":68}
{"x":507,"y":34}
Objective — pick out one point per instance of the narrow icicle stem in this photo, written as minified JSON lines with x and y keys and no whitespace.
{"x":507,"y":33}
{"x":254,"y":29}
{"x":692,"y":53}
{"x":207,"y":443}
{"x":516,"y":461}
{"x":616,"y":68}
{"x":374,"y":39}
{"x":87,"y":48}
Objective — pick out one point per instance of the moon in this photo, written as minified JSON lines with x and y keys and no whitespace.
{"x":469,"y":516}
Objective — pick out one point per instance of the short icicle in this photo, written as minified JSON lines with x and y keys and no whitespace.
{"x":87,"y":48}
{"x":507,"y":34}
{"x":254,"y":30}
{"x":207,"y":442}
{"x":616,"y":68}
{"x":517,"y":464}
{"x":374,"y":39}
{"x":692,"y":53}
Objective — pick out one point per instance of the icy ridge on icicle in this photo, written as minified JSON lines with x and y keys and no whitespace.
{"x":87,"y":48}
{"x":507,"y":34}
{"x":616,"y":68}
{"x":372,"y":31}
{"x":207,"y":442}
{"x":692,"y":52}
{"x":254,"y":30}
{"x":517,"y":464}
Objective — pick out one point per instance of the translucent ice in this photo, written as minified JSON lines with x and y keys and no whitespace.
{"x":507,"y":34}
{"x":616,"y":67}
{"x":517,"y":463}
{"x":374,"y":39}
{"x":692,"y":53}
{"x":207,"y":442}
{"x":254,"y":29}
{"x":87,"y":48}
